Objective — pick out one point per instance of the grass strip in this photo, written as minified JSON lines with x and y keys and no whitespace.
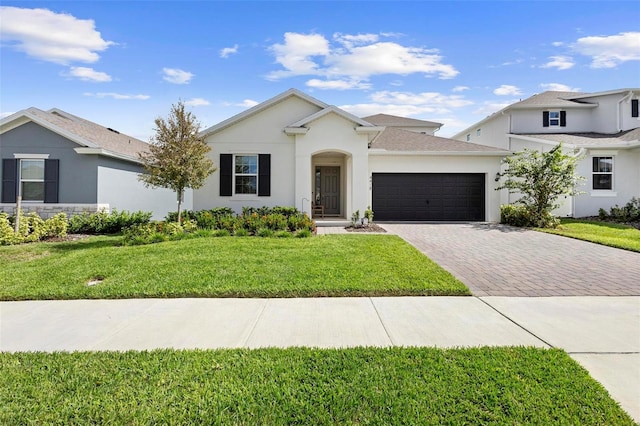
{"x":304,"y":386}
{"x":608,"y":234}
{"x":331,"y":265}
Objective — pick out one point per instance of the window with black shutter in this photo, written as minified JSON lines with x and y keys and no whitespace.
{"x":634,"y":107}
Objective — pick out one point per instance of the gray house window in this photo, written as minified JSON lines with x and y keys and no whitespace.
{"x":32,"y":180}
{"x":246,"y":174}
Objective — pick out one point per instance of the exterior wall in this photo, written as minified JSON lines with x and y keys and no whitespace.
{"x":626,"y":182}
{"x":47,"y":211}
{"x":261,"y":133}
{"x":78,"y":180}
{"x":628,"y":122}
{"x":444,"y":164}
{"x":114,"y":176}
{"x":332,"y":133}
{"x":530,"y":121}
{"x":492,"y":133}
{"x":612,"y":116}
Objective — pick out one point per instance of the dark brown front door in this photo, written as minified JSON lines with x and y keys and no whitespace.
{"x":330,"y":189}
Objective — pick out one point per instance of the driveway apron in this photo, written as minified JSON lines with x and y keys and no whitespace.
{"x":498,"y":260}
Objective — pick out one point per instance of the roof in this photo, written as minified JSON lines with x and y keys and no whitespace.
{"x":395,"y":121}
{"x":626,"y":139}
{"x":394,"y":139}
{"x":86,"y":133}
{"x":260,"y":107}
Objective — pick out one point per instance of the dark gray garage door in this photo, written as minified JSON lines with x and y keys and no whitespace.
{"x":428,"y":196}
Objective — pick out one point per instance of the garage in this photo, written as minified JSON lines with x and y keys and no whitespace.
{"x":428,"y":196}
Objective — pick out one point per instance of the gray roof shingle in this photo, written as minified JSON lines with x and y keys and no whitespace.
{"x":392,"y":139}
{"x":103,"y":137}
{"x":395,"y":121}
{"x":626,"y":138}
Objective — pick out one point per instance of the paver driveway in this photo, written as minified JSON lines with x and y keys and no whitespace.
{"x":498,"y":260}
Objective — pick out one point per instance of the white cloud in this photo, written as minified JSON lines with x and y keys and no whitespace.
{"x":559,"y":62}
{"x":50,"y":36}
{"x":337,"y":84}
{"x":609,"y":51}
{"x":459,"y":89}
{"x":353,"y":58}
{"x":248,"y":103}
{"x":224,"y":53}
{"x":6,"y":114}
{"x":197,"y":102}
{"x":118,"y":96}
{"x":408,"y":104}
{"x":557,"y":87}
{"x":176,"y":75}
{"x":88,"y":74}
{"x":507,"y":90}
{"x":557,"y":44}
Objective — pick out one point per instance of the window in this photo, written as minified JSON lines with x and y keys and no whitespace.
{"x":468,"y":137}
{"x":478,"y":132}
{"x":634,"y":107}
{"x":32,"y":180}
{"x":554,"y":118}
{"x":246,"y":174}
{"x":603,"y":173}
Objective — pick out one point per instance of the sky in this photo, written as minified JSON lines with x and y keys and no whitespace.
{"x":124,"y":63}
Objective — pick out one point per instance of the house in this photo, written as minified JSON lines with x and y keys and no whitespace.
{"x":58,"y":162}
{"x":603,"y":128}
{"x":295,"y":150}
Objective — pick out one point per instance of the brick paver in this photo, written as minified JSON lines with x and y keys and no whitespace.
{"x":498,"y":260}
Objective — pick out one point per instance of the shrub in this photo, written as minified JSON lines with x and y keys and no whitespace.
{"x":264,"y":232}
{"x":221,"y":233}
{"x":32,"y":228}
{"x":57,"y":226}
{"x":368,"y":214}
{"x":283,"y":234}
{"x":520,"y":215}
{"x":241,"y":233}
{"x":303,"y":233}
{"x":630,"y":212}
{"x":107,"y":223}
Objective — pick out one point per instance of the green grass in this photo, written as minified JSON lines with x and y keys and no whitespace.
{"x":304,"y":386}
{"x":332,"y":265}
{"x":608,"y":234}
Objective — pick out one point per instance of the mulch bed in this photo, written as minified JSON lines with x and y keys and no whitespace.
{"x":372,"y":227}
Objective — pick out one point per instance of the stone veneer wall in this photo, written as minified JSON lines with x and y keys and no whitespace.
{"x":47,"y":211}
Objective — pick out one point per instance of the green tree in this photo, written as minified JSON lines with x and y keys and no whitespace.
{"x":541,"y":178}
{"x":177,"y":157}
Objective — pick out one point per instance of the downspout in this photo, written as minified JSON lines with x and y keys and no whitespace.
{"x":580,"y":153}
{"x":618,"y":113}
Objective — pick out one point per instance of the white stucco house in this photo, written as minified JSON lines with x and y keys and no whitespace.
{"x":602,"y":127}
{"x":295,"y":150}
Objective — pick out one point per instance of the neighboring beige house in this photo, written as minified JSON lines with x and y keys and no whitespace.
{"x":603,"y":127}
{"x":295,"y":150}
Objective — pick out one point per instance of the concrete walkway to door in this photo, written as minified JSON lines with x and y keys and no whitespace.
{"x":498,"y":260}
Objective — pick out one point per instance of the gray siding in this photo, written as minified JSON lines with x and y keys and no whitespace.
{"x":78,"y":180}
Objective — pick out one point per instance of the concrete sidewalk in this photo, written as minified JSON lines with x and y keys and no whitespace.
{"x":602,"y":333}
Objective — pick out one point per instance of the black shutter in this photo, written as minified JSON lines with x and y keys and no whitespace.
{"x":9,"y":180}
{"x":563,"y":118}
{"x":264,"y":175}
{"x":226,"y":175}
{"x":51,"y":174}
{"x":545,"y":118}
{"x":634,"y":107}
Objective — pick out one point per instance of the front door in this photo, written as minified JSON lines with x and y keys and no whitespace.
{"x":329,"y":189}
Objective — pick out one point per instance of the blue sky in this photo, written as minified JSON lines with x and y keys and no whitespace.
{"x":123,"y":63}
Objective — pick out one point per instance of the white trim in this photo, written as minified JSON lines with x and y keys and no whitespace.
{"x":296,"y":130}
{"x":32,"y":156}
{"x":100,"y":151}
{"x":235,"y":175}
{"x":602,"y":153}
{"x":603,"y":193}
{"x":383,"y":152}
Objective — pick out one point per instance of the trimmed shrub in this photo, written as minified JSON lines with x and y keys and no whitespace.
{"x":303,"y":233}
{"x":264,"y":232}
{"x":520,"y":215}
{"x":107,"y":223}
{"x":32,"y":228}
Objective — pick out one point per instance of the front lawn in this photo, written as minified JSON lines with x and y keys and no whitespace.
{"x":331,"y":265}
{"x":608,"y":234}
{"x":304,"y":386}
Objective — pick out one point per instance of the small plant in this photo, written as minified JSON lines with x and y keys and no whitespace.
{"x":368,"y":214}
{"x":241,"y":233}
{"x":264,"y":232}
{"x":221,"y":233}
{"x":303,"y":233}
{"x":355,"y":218}
{"x":282,"y":234}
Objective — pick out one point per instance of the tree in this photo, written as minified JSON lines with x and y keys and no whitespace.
{"x":177,"y":157}
{"x":541,"y":178}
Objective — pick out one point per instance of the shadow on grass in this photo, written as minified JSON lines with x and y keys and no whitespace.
{"x":92,"y":242}
{"x":597,"y":223}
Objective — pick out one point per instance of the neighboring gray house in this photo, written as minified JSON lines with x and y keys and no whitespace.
{"x":58,"y":162}
{"x":603,"y":127}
